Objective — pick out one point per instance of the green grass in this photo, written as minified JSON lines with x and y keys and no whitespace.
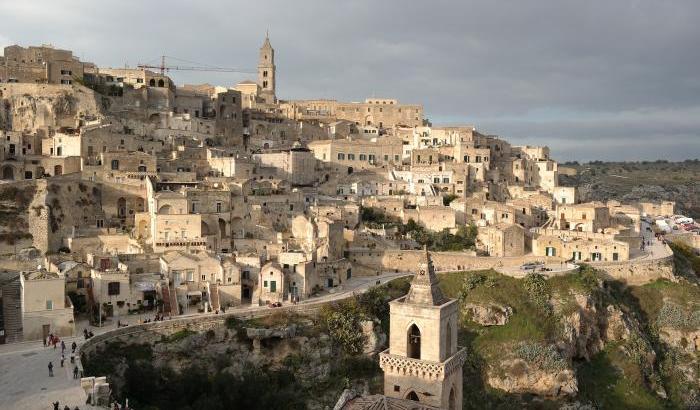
{"x":528,"y":323}
{"x":179,"y":335}
{"x":611,"y":381}
{"x":652,"y":295}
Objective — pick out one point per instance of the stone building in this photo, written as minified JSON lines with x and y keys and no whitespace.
{"x":424,"y":362}
{"x":43,"y":64}
{"x":502,"y":240}
{"x":266,"y":72}
{"x":45,"y":306}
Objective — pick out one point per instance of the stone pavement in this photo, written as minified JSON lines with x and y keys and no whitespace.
{"x":25,"y":383}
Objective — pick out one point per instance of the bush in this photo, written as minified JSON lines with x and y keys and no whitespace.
{"x":539,"y":291}
{"x":544,"y":357}
{"x":342,"y":322}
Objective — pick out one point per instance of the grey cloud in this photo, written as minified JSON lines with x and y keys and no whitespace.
{"x":626,"y":69}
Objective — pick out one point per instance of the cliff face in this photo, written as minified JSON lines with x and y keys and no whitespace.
{"x":30,"y":107}
{"x":581,"y":339}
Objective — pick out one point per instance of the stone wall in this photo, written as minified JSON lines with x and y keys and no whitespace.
{"x":407,"y":260}
{"x":639,"y":272}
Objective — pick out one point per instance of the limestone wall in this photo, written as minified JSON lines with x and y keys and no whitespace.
{"x":407,"y":260}
{"x":639,"y":272}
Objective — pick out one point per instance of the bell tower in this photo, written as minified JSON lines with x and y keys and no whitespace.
{"x":423,"y":362}
{"x":266,"y":71}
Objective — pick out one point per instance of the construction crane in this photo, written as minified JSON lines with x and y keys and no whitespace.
{"x":163,"y":67}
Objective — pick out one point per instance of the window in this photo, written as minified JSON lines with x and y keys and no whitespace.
{"x":386,"y":158}
{"x":113,"y":288}
{"x":273,"y":286}
{"x":49,"y":305}
{"x":265,"y":284}
{"x":445,"y":180}
{"x":204,"y":277}
{"x":351,"y":157}
{"x":341,"y":156}
{"x":397,"y":388}
{"x":363,"y":157}
{"x":436,"y":180}
{"x":218,"y":207}
{"x":115,"y":164}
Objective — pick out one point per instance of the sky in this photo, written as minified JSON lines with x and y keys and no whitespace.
{"x":593,"y":80}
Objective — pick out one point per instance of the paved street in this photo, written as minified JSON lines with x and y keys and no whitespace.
{"x":24,"y":380}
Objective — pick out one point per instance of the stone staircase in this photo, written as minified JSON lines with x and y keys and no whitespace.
{"x":170,"y":306}
{"x":12,"y":311}
{"x":214,"y":297}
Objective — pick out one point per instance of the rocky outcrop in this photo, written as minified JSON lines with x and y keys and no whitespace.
{"x":375,"y":338}
{"x":488,"y":314}
{"x":685,"y":340}
{"x":520,"y":376}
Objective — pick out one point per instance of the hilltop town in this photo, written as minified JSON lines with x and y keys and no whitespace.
{"x":127,"y":200}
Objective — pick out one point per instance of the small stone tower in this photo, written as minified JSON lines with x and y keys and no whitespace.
{"x":266,"y":72}
{"x":423,"y":362}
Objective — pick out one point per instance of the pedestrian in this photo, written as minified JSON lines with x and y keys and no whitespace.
{"x":76,"y":371}
{"x":63,"y":358}
{"x":72,"y":358}
{"x":50,"y":369}
{"x":74,"y":346}
{"x":66,"y":407}
{"x":63,"y":346}
{"x":55,"y":406}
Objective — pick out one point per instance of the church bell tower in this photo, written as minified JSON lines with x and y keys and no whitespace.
{"x":423,"y":362}
{"x":266,"y":72}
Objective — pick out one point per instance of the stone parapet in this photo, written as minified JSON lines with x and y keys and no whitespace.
{"x":401,"y":365}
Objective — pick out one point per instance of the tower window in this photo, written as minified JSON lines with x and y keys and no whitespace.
{"x":264,"y":73}
{"x":413,"y":342}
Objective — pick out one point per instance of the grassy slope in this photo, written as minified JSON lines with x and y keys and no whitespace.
{"x":611,"y":379}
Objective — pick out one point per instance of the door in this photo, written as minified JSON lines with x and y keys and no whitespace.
{"x":273,"y":286}
{"x":46,"y":329}
{"x":330,"y":282}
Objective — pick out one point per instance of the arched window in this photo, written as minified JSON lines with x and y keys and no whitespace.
{"x":152,"y":83}
{"x":452,"y":400}
{"x":448,"y":340}
{"x":412,"y":396}
{"x":413,"y":342}
{"x":161,"y":83}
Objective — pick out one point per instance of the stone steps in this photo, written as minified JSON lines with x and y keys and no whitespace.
{"x":12,"y":311}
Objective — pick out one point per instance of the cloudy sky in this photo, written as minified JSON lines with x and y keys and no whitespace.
{"x":612,"y":79}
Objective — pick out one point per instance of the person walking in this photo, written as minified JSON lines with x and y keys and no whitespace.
{"x":55,"y":405}
{"x":50,"y":369}
{"x":44,"y":340}
{"x":76,"y":372}
{"x":63,"y":346}
{"x":72,"y":358}
{"x":74,"y":346}
{"x":63,"y":358}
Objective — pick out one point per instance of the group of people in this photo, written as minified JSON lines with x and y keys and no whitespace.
{"x":56,"y":406}
{"x":74,"y":346}
{"x":88,"y":334}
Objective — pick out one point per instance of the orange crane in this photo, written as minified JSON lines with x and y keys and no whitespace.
{"x":163,"y":67}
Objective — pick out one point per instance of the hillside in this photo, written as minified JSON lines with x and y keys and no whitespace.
{"x":637,"y":181}
{"x":533,"y":343}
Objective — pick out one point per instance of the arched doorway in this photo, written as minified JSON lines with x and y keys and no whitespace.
{"x":121,"y":207}
{"x":412,"y":396}
{"x":222,"y":228}
{"x":8,"y":173}
{"x":161,"y":83}
{"x":165,"y":210}
{"x":350,"y":170}
{"x":452,"y":400}
{"x":58,"y":170}
{"x":152,"y":82}
{"x":205,"y":229}
{"x":413,"y":342}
